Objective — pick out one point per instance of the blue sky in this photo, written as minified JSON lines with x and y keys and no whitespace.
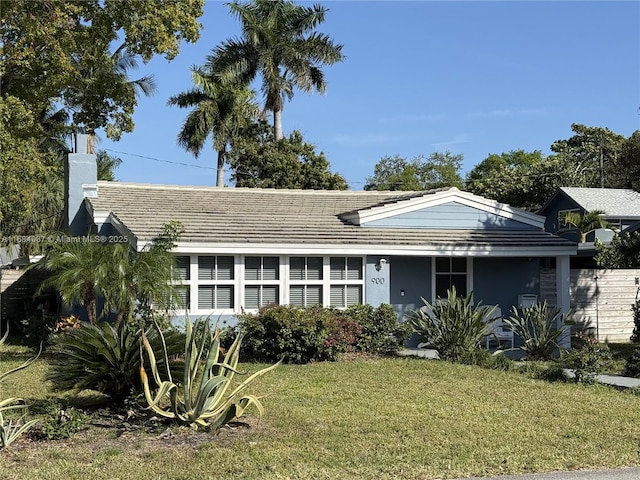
{"x":471,"y":77}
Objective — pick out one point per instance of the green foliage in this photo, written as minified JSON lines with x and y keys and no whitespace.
{"x":85,"y":269}
{"x":63,"y":48}
{"x":435,"y":171}
{"x":107,"y":165}
{"x":58,"y":421}
{"x":542,"y":371}
{"x":455,"y":328}
{"x":293,"y":334}
{"x":622,"y":252}
{"x":537,"y":327}
{"x":518,"y":178}
{"x":590,"y":360}
{"x":38,"y":328}
{"x":380,"y":330}
{"x":593,"y":152}
{"x":103,"y":358}
{"x":585,"y":223}
{"x":484,"y":359}
{"x":219,"y":110}
{"x":258,"y":160}
{"x":635,"y":308}
{"x":207,"y":396}
{"x":11,"y":429}
{"x":23,"y":167}
{"x":280,"y":44}
{"x":302,"y":335}
{"x":632,"y":365}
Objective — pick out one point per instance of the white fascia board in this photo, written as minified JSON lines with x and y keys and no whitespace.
{"x":407,"y":250}
{"x":431,"y":200}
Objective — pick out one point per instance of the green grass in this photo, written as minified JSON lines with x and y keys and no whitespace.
{"x":366,"y":419}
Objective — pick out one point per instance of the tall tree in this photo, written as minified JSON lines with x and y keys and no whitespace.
{"x":594,"y":153}
{"x":59,"y":52}
{"x":280,"y":44}
{"x":440,"y":169}
{"x":257,"y":160}
{"x":107,"y":165}
{"x":220,"y":111}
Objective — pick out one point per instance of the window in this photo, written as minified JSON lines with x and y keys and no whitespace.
{"x":346,"y":276}
{"x":449,"y":272}
{"x":305,"y":281}
{"x":182,"y":297}
{"x":562,"y":213}
{"x":215,"y":282}
{"x":181,"y":269}
{"x":262,"y":286}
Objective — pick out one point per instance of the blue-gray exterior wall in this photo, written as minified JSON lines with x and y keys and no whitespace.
{"x":499,"y":280}
{"x":80,"y":169}
{"x":450,"y":215}
{"x":561,"y":202}
{"x":377,"y":280}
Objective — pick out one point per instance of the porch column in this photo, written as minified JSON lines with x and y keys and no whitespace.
{"x":563,"y":300}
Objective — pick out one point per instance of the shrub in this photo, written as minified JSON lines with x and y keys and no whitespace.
{"x":295,"y":335}
{"x":590,"y":360}
{"x":207,"y":396}
{"x":301,"y":335}
{"x":632,"y":366}
{"x":635,"y":335}
{"x":59,"y":421}
{"x":38,"y":328}
{"x":536,"y":326}
{"x":102,"y":358}
{"x":454,"y":328}
{"x":380,"y":330}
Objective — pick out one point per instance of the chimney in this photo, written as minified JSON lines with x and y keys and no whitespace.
{"x":80,"y":177}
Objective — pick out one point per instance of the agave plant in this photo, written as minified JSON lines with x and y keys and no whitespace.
{"x":455,"y":328}
{"x":537,"y":326}
{"x":104,"y":358}
{"x":9,"y":430}
{"x":207,"y":396}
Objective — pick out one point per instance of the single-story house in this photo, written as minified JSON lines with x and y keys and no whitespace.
{"x":621,"y":209}
{"x":245,"y":248}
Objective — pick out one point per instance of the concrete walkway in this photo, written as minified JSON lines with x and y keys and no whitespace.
{"x":611,"y":380}
{"x":617,"y":474}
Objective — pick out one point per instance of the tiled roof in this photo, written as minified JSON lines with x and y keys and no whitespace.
{"x":615,"y":202}
{"x":259,"y":216}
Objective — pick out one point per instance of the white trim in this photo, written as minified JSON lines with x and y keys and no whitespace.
{"x":310,"y":250}
{"x":361,"y":217}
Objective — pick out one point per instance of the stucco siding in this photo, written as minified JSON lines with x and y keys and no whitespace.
{"x":499,"y":281}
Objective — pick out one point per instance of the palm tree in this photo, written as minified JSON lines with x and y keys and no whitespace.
{"x":279,"y":43}
{"x":584,"y":223}
{"x":220,"y":111}
{"x":80,"y":272}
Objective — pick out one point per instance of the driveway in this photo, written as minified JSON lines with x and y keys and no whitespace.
{"x":617,"y":474}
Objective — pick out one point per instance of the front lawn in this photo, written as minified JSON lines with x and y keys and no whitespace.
{"x":401,"y":418}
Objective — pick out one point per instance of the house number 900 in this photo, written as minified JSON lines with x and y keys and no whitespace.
{"x":377,"y":280}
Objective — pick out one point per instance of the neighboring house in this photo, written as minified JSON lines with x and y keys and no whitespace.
{"x":245,"y":248}
{"x":621,"y":207}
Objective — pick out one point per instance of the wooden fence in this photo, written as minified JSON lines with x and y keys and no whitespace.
{"x":601,"y":299}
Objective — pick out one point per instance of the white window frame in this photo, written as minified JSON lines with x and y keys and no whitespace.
{"x":561,"y":224}
{"x":244,"y":283}
{"x":469,"y":275}
{"x":305,"y":282}
{"x":213,"y":283}
{"x":283,"y":283}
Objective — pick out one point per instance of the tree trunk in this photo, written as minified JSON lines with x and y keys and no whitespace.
{"x":277,"y":124}
{"x":90,"y":306}
{"x":220,"y":179}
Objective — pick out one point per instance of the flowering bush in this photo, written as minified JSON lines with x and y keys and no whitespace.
{"x":67,"y":323}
